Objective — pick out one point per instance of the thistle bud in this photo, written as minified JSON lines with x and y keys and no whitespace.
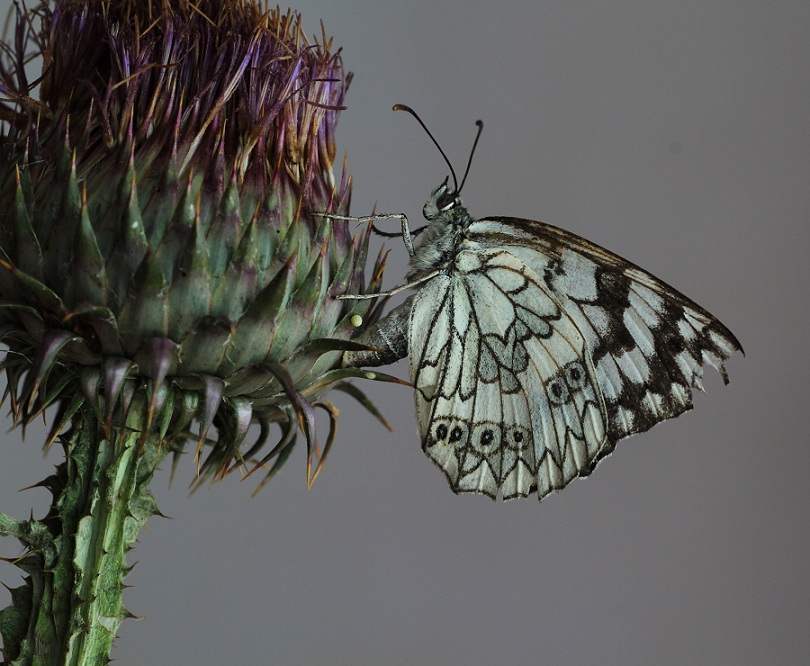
{"x":163,"y":243}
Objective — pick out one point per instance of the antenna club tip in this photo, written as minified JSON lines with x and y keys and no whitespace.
{"x":402,"y":107}
{"x":479,"y":124}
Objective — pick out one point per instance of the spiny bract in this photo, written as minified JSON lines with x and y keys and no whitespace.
{"x":160,"y":243}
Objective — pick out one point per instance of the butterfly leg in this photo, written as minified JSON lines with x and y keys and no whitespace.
{"x":390,"y":292}
{"x":406,"y":229}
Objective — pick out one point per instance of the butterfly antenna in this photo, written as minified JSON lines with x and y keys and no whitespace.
{"x":480,"y":125}
{"x":404,"y":107}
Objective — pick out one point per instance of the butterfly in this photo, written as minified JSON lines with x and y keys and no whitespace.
{"x":533,"y":351}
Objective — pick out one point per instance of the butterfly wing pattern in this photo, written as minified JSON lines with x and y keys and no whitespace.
{"x":506,"y":395}
{"x":648,"y":342}
{"x":532,"y":351}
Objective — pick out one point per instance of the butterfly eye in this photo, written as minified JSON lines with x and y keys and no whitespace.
{"x":446,"y":201}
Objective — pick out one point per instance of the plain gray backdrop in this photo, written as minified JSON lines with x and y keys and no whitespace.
{"x":676,"y":134}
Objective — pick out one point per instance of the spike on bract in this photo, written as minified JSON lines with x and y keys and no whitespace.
{"x":162,"y":198}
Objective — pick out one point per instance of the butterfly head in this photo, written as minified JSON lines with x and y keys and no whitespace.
{"x":445,"y":203}
{"x":442,"y":202}
{"x":438,"y":241}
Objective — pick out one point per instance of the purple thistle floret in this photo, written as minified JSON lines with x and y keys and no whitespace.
{"x":162,"y":243}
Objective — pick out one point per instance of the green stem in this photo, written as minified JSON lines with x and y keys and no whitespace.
{"x":69,"y":608}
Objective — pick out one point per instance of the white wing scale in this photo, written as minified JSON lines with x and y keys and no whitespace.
{"x":648,"y":342}
{"x":506,"y":392}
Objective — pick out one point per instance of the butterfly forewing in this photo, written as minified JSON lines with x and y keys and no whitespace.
{"x":648,"y":341}
{"x":506,"y":392}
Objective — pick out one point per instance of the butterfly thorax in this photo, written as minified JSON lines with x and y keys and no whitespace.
{"x":440,"y":241}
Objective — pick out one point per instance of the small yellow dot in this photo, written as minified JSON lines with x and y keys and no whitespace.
{"x":357,"y":321}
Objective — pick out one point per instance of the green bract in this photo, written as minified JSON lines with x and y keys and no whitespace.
{"x":167,"y":275}
{"x":161,"y":247}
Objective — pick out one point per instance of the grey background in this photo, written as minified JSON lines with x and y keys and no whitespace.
{"x":676,"y":134}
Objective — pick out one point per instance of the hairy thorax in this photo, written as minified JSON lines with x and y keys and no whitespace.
{"x":438,"y":243}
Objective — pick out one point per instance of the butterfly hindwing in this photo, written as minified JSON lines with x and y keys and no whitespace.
{"x":506,"y":392}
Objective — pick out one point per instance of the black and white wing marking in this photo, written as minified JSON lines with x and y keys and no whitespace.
{"x":648,"y":342}
{"x":506,"y":391}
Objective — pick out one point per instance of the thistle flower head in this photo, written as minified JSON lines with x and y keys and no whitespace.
{"x":162,"y":257}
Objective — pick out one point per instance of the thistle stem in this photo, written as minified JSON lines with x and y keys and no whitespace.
{"x":70,"y":606}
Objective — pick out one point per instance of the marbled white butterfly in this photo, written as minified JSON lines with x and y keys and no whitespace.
{"x":532,"y":351}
